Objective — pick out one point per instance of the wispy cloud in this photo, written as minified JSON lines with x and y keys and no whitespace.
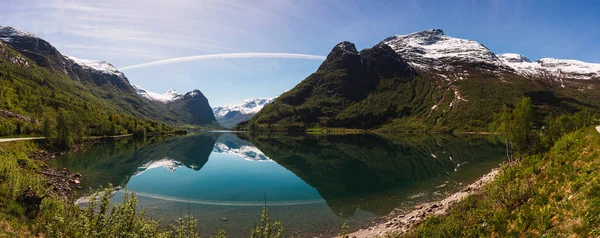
{"x":224,"y":56}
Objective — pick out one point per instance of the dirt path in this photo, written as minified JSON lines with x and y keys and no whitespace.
{"x":24,"y":138}
{"x":40,"y":138}
{"x":405,"y":222}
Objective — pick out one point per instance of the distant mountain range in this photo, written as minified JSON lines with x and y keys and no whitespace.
{"x":232,"y":115}
{"x":427,"y":81}
{"x":227,"y":116}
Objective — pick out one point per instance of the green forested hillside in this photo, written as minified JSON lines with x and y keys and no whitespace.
{"x":36,"y":100}
{"x":35,"y":76}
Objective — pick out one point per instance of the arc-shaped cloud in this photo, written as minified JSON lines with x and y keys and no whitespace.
{"x":224,"y":56}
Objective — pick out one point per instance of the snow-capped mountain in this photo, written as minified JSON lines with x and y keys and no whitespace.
{"x":230,"y":144}
{"x":9,"y":34}
{"x":168,"y":96}
{"x":231,"y":115}
{"x":97,"y":65}
{"x":551,"y":67}
{"x":247,"y":106}
{"x":434,"y":49}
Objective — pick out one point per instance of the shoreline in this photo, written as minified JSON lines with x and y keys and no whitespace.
{"x":402,"y":223}
{"x":65,"y":183}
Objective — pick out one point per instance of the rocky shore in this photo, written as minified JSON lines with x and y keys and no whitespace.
{"x":401,"y":223}
{"x":62,"y":181}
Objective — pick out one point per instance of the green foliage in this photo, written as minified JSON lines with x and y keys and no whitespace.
{"x":99,"y":219}
{"x":186,"y":227}
{"x":553,"y":194}
{"x":344,"y":232}
{"x":266,"y":228}
{"x":48,"y":127}
{"x":140,"y":132}
{"x":6,"y":128}
{"x":557,"y":126}
{"x":13,"y":161}
{"x":63,"y":129}
{"x":517,"y":125}
{"x":509,"y":190}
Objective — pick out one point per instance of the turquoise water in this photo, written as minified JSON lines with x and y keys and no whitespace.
{"x":311,"y":183}
{"x":226,"y":180}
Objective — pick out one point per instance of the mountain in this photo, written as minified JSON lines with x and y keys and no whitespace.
{"x":193,"y":108}
{"x":232,"y":115}
{"x":168,"y":96}
{"x":81,"y":82}
{"x":551,"y":68}
{"x":427,"y":81}
{"x":432,"y":49}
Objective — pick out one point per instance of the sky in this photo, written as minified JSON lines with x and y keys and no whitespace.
{"x":132,"y":32}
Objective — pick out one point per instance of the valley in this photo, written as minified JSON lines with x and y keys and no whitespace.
{"x":389,"y":140}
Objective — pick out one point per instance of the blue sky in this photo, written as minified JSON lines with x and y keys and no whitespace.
{"x":138,"y":31}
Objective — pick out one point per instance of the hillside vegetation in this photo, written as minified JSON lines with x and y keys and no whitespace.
{"x":41,"y":101}
{"x":551,"y":187}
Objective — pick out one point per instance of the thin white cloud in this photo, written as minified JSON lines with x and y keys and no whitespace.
{"x":224,"y":56}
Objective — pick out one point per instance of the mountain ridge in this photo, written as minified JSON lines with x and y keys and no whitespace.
{"x":102,"y":80}
{"x":456,"y":84}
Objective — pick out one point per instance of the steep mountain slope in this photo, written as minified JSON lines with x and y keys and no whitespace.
{"x":232,"y":115}
{"x":426,"y":81}
{"x":105,"y":83}
{"x":350,"y":89}
{"x":35,"y":99}
{"x":192,"y":107}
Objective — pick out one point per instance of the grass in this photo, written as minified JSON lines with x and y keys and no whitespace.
{"x":555,"y":194}
{"x":334,"y":131}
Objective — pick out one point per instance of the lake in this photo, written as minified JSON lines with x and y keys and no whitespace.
{"x":311,"y":183}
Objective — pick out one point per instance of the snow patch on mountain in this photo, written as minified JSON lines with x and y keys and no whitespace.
{"x":166,"y":162}
{"x":248,"y":106}
{"x":98,"y":65}
{"x":432,"y":48}
{"x":513,"y":58}
{"x":11,"y":33}
{"x":168,"y":96}
{"x":551,"y":67}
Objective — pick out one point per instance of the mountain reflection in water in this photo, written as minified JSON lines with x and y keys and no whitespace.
{"x":350,"y":173}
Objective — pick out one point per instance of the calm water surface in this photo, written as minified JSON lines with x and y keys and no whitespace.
{"x":311,"y":183}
